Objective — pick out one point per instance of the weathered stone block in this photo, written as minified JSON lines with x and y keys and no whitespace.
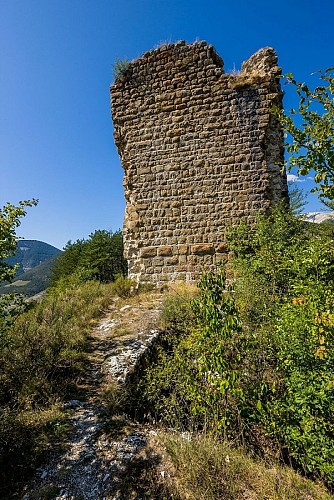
{"x":202,"y":249}
{"x":222,"y":247}
{"x":147,"y":252}
{"x":165,"y":251}
{"x":171,"y":261}
{"x":182,"y":249}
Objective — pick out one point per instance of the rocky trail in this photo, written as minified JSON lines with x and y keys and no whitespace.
{"x":107,"y":457}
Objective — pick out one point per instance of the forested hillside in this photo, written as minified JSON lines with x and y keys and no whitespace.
{"x":34,"y":261}
{"x":31,"y":253}
{"x":31,"y":282}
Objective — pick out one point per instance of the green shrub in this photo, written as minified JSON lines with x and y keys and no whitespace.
{"x":152,"y":395}
{"x":11,"y":306}
{"x":285,"y":291}
{"x":300,"y":414}
{"x":190,"y":382}
{"x":177,"y":314}
{"x":123,"y":286}
{"x":120,"y":68}
{"x":256,"y":362}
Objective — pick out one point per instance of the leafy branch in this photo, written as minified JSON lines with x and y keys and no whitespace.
{"x":311,"y":136}
{"x":10,"y":216}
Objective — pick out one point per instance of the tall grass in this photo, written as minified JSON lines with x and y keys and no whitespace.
{"x":42,"y":358}
{"x":207,"y":469}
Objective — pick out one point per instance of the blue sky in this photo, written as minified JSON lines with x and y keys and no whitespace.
{"x":56,"y":137}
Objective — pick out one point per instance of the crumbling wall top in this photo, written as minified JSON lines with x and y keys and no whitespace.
{"x":264,"y":61}
{"x":182,"y":55}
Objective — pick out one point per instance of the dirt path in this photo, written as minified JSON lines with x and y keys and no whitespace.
{"x":105,"y":457}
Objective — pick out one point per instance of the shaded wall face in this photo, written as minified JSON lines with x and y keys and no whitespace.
{"x":200,"y":151}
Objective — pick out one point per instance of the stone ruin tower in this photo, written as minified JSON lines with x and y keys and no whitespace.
{"x":200,"y":150}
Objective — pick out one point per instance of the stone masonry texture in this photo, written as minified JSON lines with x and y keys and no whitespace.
{"x":200,"y":150}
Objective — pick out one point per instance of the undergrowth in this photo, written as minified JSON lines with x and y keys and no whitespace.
{"x":208,"y":469}
{"x":41,"y":357}
{"x":252,"y":361}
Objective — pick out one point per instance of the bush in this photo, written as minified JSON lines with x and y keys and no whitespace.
{"x":152,"y":395}
{"x":189,"y":384}
{"x":294,"y":262}
{"x":123,"y":286}
{"x":177,"y":315}
{"x":255,"y":364}
{"x":11,"y":306}
{"x":300,"y":414}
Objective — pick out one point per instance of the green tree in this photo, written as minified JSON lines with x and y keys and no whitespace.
{"x":297,"y":198}
{"x":10,"y":305}
{"x":10,"y":216}
{"x":100,"y":257}
{"x":310,"y":133}
{"x":68,"y":261}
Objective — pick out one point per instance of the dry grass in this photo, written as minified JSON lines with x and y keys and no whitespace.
{"x":113,"y":396}
{"x":205,"y":469}
{"x":137,"y":313}
{"x":241,"y":81}
{"x":183,"y":289}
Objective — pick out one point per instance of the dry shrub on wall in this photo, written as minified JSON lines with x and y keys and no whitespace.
{"x":120,"y":68}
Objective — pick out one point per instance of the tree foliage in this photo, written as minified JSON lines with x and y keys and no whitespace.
{"x":310,"y":133}
{"x":297,"y":199}
{"x":11,"y":305}
{"x":10,"y":216}
{"x":100,"y":257}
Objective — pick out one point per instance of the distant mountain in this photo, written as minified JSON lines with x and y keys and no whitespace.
{"x":319,"y":217}
{"x":35,"y":260}
{"x":32,"y":282}
{"x":31,"y":253}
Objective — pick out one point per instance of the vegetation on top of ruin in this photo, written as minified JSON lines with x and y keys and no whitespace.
{"x":120,"y":68}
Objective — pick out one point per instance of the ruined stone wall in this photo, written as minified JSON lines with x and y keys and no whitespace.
{"x":200,"y":150}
